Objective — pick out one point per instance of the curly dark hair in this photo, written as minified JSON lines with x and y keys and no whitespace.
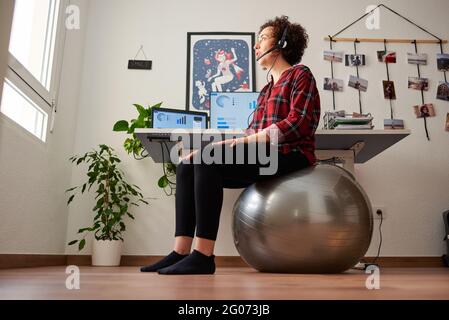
{"x":297,"y":38}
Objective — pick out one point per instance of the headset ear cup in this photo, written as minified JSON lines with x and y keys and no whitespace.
{"x":282,"y":44}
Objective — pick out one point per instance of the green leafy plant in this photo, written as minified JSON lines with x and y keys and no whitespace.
{"x":134,"y":146}
{"x":114,"y":195}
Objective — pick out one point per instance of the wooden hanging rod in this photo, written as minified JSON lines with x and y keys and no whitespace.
{"x":388,"y":40}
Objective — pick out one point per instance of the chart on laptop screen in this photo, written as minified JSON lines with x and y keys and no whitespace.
{"x":174,"y":119}
{"x":232,"y":110}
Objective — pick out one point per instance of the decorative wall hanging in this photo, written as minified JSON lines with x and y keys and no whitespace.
{"x":423,"y":110}
{"x":140,"y":64}
{"x":218,"y":62}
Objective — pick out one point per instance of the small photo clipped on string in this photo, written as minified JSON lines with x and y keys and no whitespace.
{"x":389,"y":91}
{"x":417,"y":58}
{"x":443,"y":91}
{"x":386,"y":56}
{"x":333,"y":84}
{"x":392,"y":124}
{"x":335,"y":56}
{"x":358,"y":83}
{"x":424,"y":110}
{"x":418,"y":83}
{"x":355,"y":60}
{"x":443,"y":61}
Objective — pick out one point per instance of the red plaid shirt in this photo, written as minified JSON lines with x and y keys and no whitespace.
{"x":292,"y":108}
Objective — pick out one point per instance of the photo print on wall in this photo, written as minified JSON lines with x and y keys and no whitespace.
{"x":355,"y":60}
{"x":418,"y":83}
{"x":333,"y":84}
{"x":414,"y":58}
{"x":443,"y":91}
{"x":424,"y":110}
{"x":389,"y":91}
{"x":386,"y":56}
{"x":391,"y":124}
{"x":443,"y":61}
{"x":358,"y":83}
{"x":335,"y":56}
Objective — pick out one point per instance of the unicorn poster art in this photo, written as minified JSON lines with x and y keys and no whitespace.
{"x":218,"y":62}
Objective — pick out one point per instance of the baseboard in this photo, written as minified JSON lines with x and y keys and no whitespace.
{"x":10,"y":261}
{"x":407,"y":262}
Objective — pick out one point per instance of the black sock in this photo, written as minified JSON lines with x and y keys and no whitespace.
{"x":195,"y":263}
{"x":172,"y":258}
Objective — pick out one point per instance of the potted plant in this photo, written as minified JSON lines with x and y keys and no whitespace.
{"x":134,"y":146}
{"x":114,"y":199}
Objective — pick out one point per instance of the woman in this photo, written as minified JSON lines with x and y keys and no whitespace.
{"x":287,"y":116}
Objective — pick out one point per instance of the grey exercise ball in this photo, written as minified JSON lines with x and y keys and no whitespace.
{"x":316,"y":220}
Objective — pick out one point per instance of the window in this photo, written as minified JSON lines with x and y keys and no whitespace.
{"x":23,"y":110}
{"x":35,"y":49}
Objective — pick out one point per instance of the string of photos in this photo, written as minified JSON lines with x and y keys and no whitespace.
{"x":423,"y":110}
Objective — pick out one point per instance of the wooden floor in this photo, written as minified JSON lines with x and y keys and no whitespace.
{"x":227,"y":284}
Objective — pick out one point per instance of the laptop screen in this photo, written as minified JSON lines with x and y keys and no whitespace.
{"x":232,"y":110}
{"x":178,"y":119}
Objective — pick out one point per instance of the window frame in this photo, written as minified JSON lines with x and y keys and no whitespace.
{"x":20,"y":77}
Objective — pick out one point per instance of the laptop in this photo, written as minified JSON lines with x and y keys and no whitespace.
{"x":158,"y":144}
{"x":232,"y":110}
{"x":163,"y":118}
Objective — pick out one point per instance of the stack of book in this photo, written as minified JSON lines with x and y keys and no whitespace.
{"x":350,"y":122}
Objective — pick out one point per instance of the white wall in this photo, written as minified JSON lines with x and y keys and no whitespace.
{"x":413,"y":226}
{"x":34,"y":175}
{"x":410,"y":179}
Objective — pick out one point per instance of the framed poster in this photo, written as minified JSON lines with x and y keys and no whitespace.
{"x":218,"y":62}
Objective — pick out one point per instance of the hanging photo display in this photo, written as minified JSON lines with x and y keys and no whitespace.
{"x":418,"y":83}
{"x":443,"y":62}
{"x":389,"y":91}
{"x":424,"y":110}
{"x":354,"y":60}
{"x":443,"y":91}
{"x":335,"y":56}
{"x":417,"y":58}
{"x":358,"y":83}
{"x":386,"y":56}
{"x":333,"y":84}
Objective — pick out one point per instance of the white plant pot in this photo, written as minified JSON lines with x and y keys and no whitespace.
{"x":106,"y":253}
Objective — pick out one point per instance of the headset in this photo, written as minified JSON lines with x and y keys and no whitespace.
{"x":281,"y":44}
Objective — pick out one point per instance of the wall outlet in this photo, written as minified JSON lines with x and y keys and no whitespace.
{"x":377,"y":210}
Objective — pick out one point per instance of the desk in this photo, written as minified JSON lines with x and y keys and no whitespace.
{"x":355,"y":146}
{"x":346,"y":146}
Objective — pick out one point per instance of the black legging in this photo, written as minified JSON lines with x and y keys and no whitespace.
{"x":199,"y":190}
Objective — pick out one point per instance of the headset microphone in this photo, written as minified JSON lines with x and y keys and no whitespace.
{"x":267,"y":52}
{"x":282,"y":44}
